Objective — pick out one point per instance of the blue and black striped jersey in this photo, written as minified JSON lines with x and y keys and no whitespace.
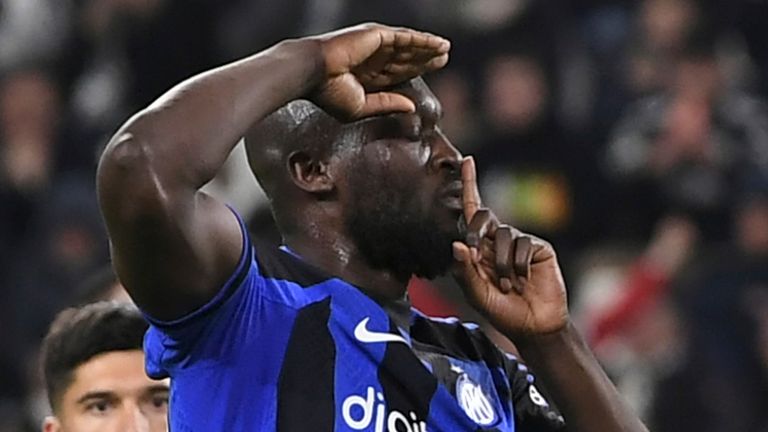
{"x":285,"y":347}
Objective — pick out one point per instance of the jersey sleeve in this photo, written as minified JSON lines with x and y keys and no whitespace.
{"x":186,"y":341}
{"x":534,"y":411}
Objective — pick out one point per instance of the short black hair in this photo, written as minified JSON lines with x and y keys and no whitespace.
{"x":79,"y":334}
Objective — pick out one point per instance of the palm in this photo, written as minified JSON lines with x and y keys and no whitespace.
{"x":363,"y":60}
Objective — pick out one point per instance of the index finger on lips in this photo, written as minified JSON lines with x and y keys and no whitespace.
{"x":470,"y":194}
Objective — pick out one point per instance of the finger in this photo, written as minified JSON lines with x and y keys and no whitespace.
{"x":414,"y":55}
{"x":389,"y":74}
{"x":503,"y":252}
{"x":416,"y":65}
{"x":398,"y":72}
{"x":470,"y":194}
{"x":523,"y":255}
{"x":409,"y":69}
{"x":483,"y":223}
{"x":519,"y":285}
{"x":436,"y":63}
{"x":406,"y":38}
{"x":466,"y":272}
{"x":385,"y":103}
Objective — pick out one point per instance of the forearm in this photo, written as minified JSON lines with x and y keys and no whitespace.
{"x":587,"y":398}
{"x":187,"y":134}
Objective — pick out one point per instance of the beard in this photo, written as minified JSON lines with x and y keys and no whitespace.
{"x":394,"y":230}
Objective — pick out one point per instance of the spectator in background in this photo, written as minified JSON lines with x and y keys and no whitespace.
{"x":635,"y":328}
{"x":725,"y":375}
{"x":459,"y":115}
{"x":515,"y":97}
{"x":28,"y":125}
{"x":94,"y":372}
{"x":684,"y":333}
{"x":65,"y":244}
{"x":146,"y":37}
{"x":634,"y":47}
{"x":528,"y":164}
{"x":689,"y":149}
{"x":663,"y":28}
{"x":35,"y":156}
{"x":28,"y":133}
{"x":116,"y":41}
{"x":21,"y":38}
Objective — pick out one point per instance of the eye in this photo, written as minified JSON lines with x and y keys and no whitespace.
{"x":397,"y":127}
{"x":100,"y":407}
{"x":159,"y":402}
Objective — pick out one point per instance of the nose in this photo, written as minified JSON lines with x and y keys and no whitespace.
{"x":444,"y":155}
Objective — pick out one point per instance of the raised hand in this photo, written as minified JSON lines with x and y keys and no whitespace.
{"x":510,"y":277}
{"x":363,"y":60}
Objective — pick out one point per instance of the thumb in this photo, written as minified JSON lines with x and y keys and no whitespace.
{"x":465,"y":271}
{"x":385,"y":102}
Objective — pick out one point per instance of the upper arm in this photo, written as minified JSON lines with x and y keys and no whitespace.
{"x":172,"y":246}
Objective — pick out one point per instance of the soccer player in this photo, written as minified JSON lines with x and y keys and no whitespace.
{"x":94,"y":372}
{"x":318,"y":335}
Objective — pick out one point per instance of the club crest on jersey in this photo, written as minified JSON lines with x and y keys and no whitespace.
{"x":474,"y":402}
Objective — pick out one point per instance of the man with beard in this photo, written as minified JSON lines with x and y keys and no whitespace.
{"x":366,"y":191}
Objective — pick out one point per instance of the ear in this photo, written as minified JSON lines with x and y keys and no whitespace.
{"x":310,"y":173}
{"x":51,"y":424}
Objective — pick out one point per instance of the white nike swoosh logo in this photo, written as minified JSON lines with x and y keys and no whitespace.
{"x":364,"y":335}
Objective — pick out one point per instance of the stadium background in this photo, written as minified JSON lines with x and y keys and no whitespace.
{"x":632,"y":134}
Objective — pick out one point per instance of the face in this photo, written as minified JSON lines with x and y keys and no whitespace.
{"x":404,"y":202}
{"x":111,"y":392}
{"x":27,"y":103}
{"x":516,"y":93}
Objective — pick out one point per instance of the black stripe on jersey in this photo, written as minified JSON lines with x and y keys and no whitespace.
{"x":407,"y":385}
{"x":275,"y":263}
{"x":305,"y":400}
{"x":455,"y":340}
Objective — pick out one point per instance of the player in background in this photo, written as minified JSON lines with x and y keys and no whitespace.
{"x":94,"y":372}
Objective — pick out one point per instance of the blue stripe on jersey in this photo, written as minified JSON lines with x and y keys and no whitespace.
{"x":356,"y":369}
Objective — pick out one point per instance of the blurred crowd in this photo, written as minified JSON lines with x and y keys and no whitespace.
{"x":632,"y":134}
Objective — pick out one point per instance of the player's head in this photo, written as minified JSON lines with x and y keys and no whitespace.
{"x":390,"y":183}
{"x":93,"y":366}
